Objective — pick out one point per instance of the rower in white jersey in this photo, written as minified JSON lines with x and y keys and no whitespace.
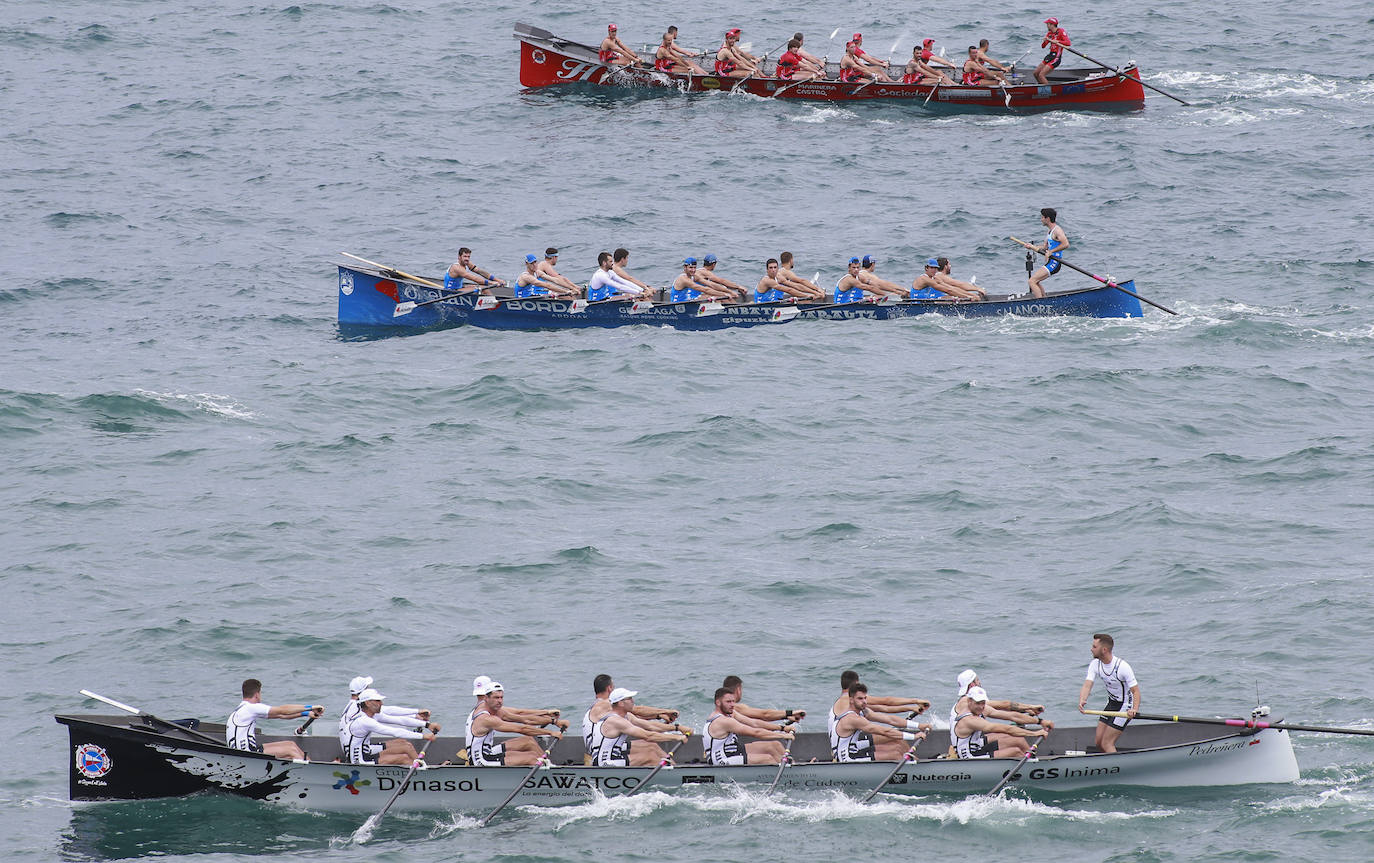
{"x":886,"y":709}
{"x":486,"y":751}
{"x":1010,"y":711}
{"x":736,"y":685}
{"x":482,"y":686}
{"x":351,"y":710}
{"x":609,"y":741}
{"x":606,"y":284}
{"x":1123,"y":692}
{"x":853,"y":737}
{"x":241,"y":728}
{"x":971,"y":735}
{"x":643,"y":752}
{"x":358,"y":745}
{"x":720,"y":735}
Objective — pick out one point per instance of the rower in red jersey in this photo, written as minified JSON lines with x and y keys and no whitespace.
{"x":851,"y":69}
{"x":683,"y":55}
{"x":790,"y":62}
{"x":933,"y":60}
{"x":1056,"y":38}
{"x":873,"y":64}
{"x":975,"y":73}
{"x":670,"y":58}
{"x":613,"y":52}
{"x":920,"y":71}
{"x":731,"y":60}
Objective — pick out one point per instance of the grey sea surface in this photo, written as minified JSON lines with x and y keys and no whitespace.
{"x":202,"y":481}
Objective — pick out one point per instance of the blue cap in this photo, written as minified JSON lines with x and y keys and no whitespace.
{"x":869,"y":260}
{"x":932,"y":262}
{"x":529,"y":259}
{"x":709,"y":259}
{"x":853,"y":260}
{"x":689,"y":262}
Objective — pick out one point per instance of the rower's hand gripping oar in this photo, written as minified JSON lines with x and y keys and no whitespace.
{"x":153,"y":720}
{"x":541,"y":762}
{"x":1237,"y":723}
{"x":1118,"y":72}
{"x":909,"y":755}
{"x":1011,"y":774}
{"x":663,"y":762}
{"x":364,"y":833}
{"x":1108,"y":282}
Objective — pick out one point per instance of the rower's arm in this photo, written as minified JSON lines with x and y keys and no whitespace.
{"x":1083,"y":692}
{"x":644,"y":711}
{"x":1135,"y":699}
{"x":287,"y":711}
{"x":620,"y":271}
{"x":760,"y":714}
{"x":515,"y":728}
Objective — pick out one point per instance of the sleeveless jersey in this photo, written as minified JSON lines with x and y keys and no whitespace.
{"x":849,"y":76}
{"x":484,"y":751}
{"x":665,"y":64}
{"x":971,"y":79}
{"x":973,"y":746}
{"x":241,"y":729}
{"x":350,"y":712}
{"x":725,"y":751}
{"x":452,"y":284}
{"x":788,"y":64}
{"x":850,"y":747}
{"x":1118,"y":677}
{"x":724,"y":67}
{"x":614,"y":752}
{"x":607,"y":56}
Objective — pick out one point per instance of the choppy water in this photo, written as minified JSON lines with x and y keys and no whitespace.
{"x":201,"y":481}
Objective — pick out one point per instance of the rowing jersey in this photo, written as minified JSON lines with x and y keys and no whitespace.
{"x":613,"y":752}
{"x":1056,"y":51}
{"x":1052,"y":261}
{"x":1118,"y":677}
{"x":849,"y":76}
{"x":608,"y":56}
{"x":358,"y":745}
{"x":613,"y":283}
{"x":788,"y":64}
{"x":972,"y":746}
{"x":452,"y":283}
{"x":850,"y":747}
{"x":722,"y":751}
{"x":386,"y":715}
{"x":484,"y":751}
{"x":724,"y":67}
{"x":972,"y":78}
{"x":665,"y":64}
{"x":241,"y":729}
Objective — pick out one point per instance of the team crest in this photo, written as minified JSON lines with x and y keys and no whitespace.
{"x":346,"y":283}
{"x":92,"y":761}
{"x":538,"y":56}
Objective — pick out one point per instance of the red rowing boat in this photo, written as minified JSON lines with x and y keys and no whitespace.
{"x":548,"y":61}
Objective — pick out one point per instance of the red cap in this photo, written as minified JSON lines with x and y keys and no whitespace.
{"x":1054,"y":21}
{"x":610,"y":27}
{"x":927,"y":41}
{"x":858,"y":37}
{"x":733,"y":31}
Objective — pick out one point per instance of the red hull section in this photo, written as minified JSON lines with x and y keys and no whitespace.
{"x":546,"y":61}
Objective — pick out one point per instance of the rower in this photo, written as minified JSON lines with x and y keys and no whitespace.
{"x":643,"y":752}
{"x":720,"y":735}
{"x":241,"y":728}
{"x":930,"y":58}
{"x":609,"y":741}
{"x":810,"y":62}
{"x":1056,"y":38}
{"x":852,"y":69}
{"x":670,"y":58}
{"x":986,"y":59}
{"x":1123,"y":691}
{"x":687,"y":56}
{"x":852,"y":736}
{"x":1056,"y":241}
{"x":528,"y":283}
{"x":736,"y":685}
{"x":707,"y":274}
{"x":621,"y":258}
{"x":878,"y":67}
{"x":482,"y":686}
{"x":885,"y":709}
{"x":970,"y":734}
{"x":357,"y":686}
{"x":613,"y":52}
{"x":358,"y":745}
{"x":1010,"y":711}
{"x":790,"y":63}
{"x":462,"y":271}
{"x":606,"y":285}
{"x":787,"y":278}
{"x":919,"y":71}
{"x":770,"y":289}
{"x":948,"y":282}
{"x":873,"y":284}
{"x":549,"y":273}
{"x":975,"y":73}
{"x":731,"y":60}
{"x":931,"y":284}
{"x":688,"y":286}
{"x":849,"y":289}
{"x":486,"y":720}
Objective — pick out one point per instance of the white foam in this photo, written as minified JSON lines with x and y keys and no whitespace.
{"x":210,"y":403}
{"x":823,"y":115}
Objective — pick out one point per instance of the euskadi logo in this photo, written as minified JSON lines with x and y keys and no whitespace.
{"x":350,"y":781}
{"x":92,"y":761}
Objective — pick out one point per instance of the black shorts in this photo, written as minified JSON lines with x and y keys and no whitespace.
{"x":1052,"y":264}
{"x":1117,"y":722}
{"x":1053,"y":60}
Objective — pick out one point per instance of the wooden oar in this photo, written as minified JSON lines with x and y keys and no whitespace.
{"x":1006,"y":777}
{"x":364,"y":833}
{"x":1238,"y":723}
{"x":663,"y":762}
{"x":1106,"y":282}
{"x":1118,"y":72}
{"x":153,"y":720}
{"x":400,"y":273}
{"x":538,"y":763}
{"x":782,"y":765}
{"x":909,"y":755}
{"x":305,"y":726}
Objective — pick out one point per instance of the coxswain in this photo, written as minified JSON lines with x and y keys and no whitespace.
{"x":688,"y":280}
{"x":885,"y":709}
{"x":875,"y":285}
{"x":708,"y":273}
{"x":932,"y":279}
{"x":462,"y":271}
{"x":522,"y":750}
{"x":975,"y":73}
{"x":643,"y":752}
{"x":548,"y":272}
{"x":1123,"y":691}
{"x":736,"y":685}
{"x":856,"y":737}
{"x":605,"y":278}
{"x":670,"y":58}
{"x":1056,"y":241}
{"x":1014,"y":712}
{"x":919,"y":71}
{"x":530,"y":278}
{"x":800,"y":287}
{"x":721,"y":732}
{"x":852,"y":69}
{"x":878,"y":67}
{"x":608,"y":742}
{"x":358,"y":747}
{"x":613,"y":52}
{"x":731,"y":60}
{"x":1056,"y":39}
{"x":241,"y":728}
{"x":404,"y":715}
{"x":971,"y":735}
{"x":946,"y":278}
{"x":986,"y":59}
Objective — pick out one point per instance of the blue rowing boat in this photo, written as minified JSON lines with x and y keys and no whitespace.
{"x":379,"y":299}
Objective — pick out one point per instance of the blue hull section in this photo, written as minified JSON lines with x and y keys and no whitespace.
{"x":1101,"y":302}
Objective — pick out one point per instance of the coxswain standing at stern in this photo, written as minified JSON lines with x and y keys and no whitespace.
{"x":1056,"y":38}
{"x":613,"y":52}
{"x":1056,"y":241}
{"x":1123,"y":692}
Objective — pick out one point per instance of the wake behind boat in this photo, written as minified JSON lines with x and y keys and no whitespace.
{"x":122,"y":757}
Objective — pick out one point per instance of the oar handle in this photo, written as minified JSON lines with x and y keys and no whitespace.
{"x":1108,"y":282}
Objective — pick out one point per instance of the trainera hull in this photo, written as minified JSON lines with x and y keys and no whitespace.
{"x":121,"y":758}
{"x":549,"y":61}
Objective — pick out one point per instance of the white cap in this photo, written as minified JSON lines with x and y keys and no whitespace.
{"x":492,"y":686}
{"x":480,"y":684}
{"x":966,"y":678}
{"x":977,"y":693}
{"x":358,"y":684}
{"x":370,"y":695}
{"x":620,"y":694}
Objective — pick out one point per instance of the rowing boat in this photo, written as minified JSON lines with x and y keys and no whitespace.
{"x":132,"y":757}
{"x":547,"y":60}
{"x":379,"y":300}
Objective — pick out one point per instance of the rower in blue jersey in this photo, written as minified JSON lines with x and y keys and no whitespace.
{"x":462,"y":271}
{"x":1056,"y":241}
{"x":530,"y":283}
{"x":849,"y":289}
